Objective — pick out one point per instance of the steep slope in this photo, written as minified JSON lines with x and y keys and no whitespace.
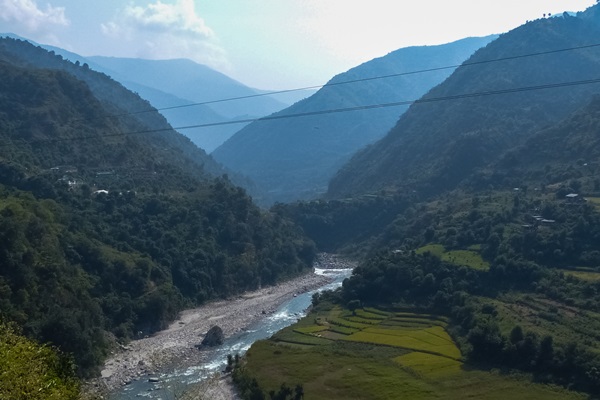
{"x":105,"y":230}
{"x":179,"y":112}
{"x":293,"y":158}
{"x":437,"y":144}
{"x":564,"y":155}
{"x":119,"y":100}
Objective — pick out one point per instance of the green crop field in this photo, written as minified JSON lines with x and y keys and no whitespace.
{"x":430,"y":340}
{"x":469,"y":258}
{"x":310,"y":329}
{"x":590,"y":276}
{"x":594,"y":200}
{"x":347,"y":323}
{"x":380,"y":360}
{"x":370,"y":315}
{"x":436,"y":249}
{"x":417,"y":321}
{"x":429,"y":365}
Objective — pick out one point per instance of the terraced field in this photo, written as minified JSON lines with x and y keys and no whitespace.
{"x":469,"y":258}
{"x":380,"y":354}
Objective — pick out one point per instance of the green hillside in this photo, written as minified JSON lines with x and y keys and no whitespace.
{"x":294,"y":158}
{"x":482,"y":210}
{"x":436,"y":146}
{"x":107,"y":233}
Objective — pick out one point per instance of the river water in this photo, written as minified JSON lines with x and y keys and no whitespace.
{"x":173,"y":382}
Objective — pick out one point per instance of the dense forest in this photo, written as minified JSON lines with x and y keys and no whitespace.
{"x":111,"y":225}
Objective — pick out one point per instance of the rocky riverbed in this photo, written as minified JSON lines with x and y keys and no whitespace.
{"x":176,"y":346}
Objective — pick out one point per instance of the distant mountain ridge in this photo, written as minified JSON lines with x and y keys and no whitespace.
{"x":294,"y":158}
{"x":193,"y":83}
{"x":180,"y":82}
{"x":437,"y":145}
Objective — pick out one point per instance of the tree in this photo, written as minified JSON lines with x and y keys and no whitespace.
{"x":353,"y":305}
{"x":229,"y":366}
{"x":546,"y":354}
{"x":299,"y":392}
{"x":30,"y":371}
{"x":516,"y":334}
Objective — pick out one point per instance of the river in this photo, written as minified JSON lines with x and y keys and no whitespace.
{"x":171,"y":382}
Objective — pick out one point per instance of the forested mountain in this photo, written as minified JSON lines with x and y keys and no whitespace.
{"x":438,"y":143}
{"x":111,"y":222}
{"x":179,"y":85}
{"x":566,"y":153}
{"x":294,"y":158}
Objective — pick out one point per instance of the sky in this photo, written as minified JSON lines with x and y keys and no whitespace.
{"x":266,"y":44}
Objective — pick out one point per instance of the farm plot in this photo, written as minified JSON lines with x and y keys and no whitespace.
{"x":468,"y":258}
{"x":429,"y":365}
{"x":433,"y":340}
{"x":402,"y":355}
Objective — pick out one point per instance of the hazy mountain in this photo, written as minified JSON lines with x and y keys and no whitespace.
{"x":147,"y":78}
{"x":294,"y":158}
{"x":168,"y":84}
{"x":192,"y":81}
{"x":437,"y":144}
{"x":185,"y":116}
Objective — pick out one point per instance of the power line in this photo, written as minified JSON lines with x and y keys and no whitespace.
{"x":348,"y":109}
{"x":332,"y":84}
{"x":338,"y":110}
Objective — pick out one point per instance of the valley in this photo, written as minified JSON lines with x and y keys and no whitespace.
{"x":454,"y":190}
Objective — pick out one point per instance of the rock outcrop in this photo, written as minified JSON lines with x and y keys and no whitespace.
{"x":214,"y":337}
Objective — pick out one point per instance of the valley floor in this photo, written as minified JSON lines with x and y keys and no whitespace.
{"x":175,"y":345}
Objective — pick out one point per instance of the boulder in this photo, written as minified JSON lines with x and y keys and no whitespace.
{"x":214,"y":337}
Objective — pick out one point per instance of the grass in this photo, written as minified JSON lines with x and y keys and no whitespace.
{"x":468,"y":258}
{"x":589,"y":276}
{"x":381,"y":360}
{"x":595,"y":201}
{"x":429,"y":365}
{"x":435,"y":249}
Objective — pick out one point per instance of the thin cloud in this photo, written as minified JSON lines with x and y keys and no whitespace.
{"x":27,"y":15}
{"x":161,"y":30}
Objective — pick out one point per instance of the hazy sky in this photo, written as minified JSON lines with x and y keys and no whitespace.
{"x":268,"y":44}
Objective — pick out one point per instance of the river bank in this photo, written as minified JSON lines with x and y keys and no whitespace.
{"x":175,"y":346}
